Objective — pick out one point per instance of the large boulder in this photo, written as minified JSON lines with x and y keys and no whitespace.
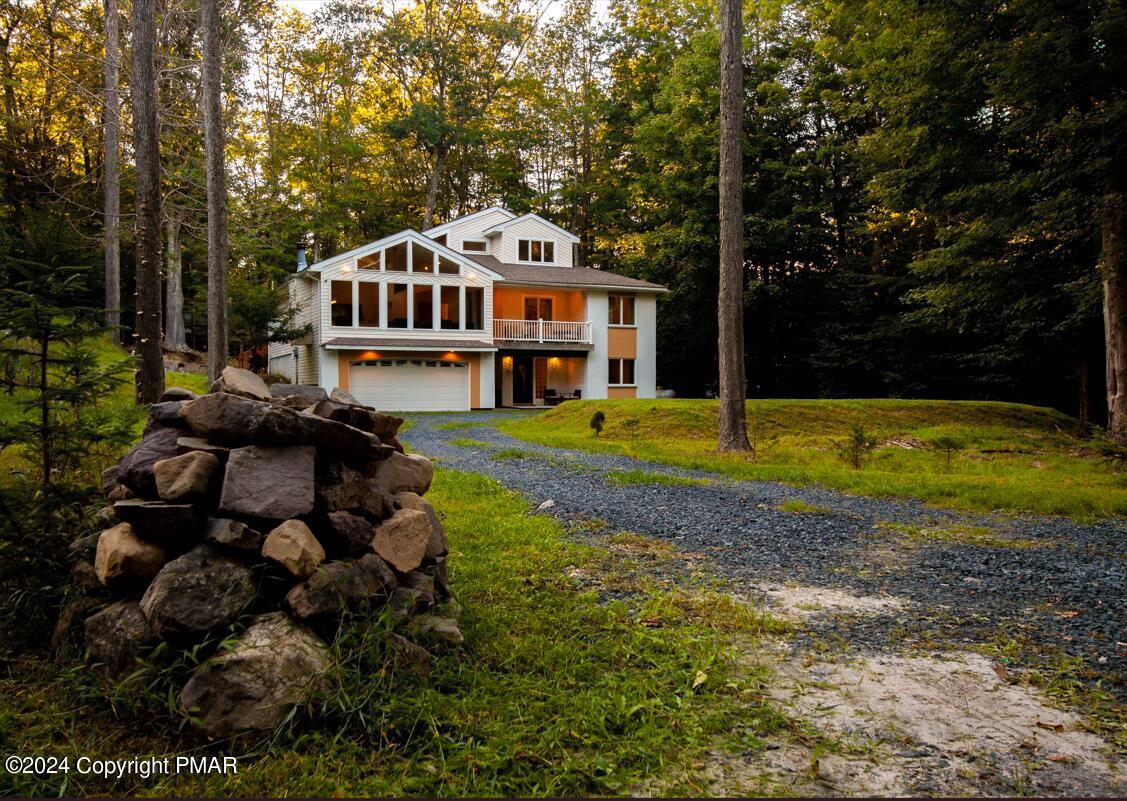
{"x":233,"y":534}
{"x":273,"y":665}
{"x":173,"y":524}
{"x":340,"y":488}
{"x":402,"y":539}
{"x":167,"y":414}
{"x":201,"y":591}
{"x":177,"y":394}
{"x":191,"y":444}
{"x":340,"y":396}
{"x":384,"y":426}
{"x":405,"y":472}
{"x":231,"y":420}
{"x":185,"y":477}
{"x":293,"y":546}
{"x":124,"y":559}
{"x":135,"y":470}
{"x":349,"y":535}
{"x":244,"y":383}
{"x":118,"y":634}
{"x":336,"y":586}
{"x":313,"y":394}
{"x":437,"y":545}
{"x":272,"y":483}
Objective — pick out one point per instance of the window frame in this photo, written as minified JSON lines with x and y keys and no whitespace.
{"x":483,"y":242}
{"x":611,"y":302}
{"x":540,"y":242}
{"x":621,"y":362}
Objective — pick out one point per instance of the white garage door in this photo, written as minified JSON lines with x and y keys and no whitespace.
{"x":411,"y":385}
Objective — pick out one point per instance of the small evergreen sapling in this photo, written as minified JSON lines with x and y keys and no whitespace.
{"x":598,"y":419}
{"x":856,"y":449}
{"x":949,"y":445}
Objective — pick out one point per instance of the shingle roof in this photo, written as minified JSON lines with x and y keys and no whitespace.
{"x":575,"y":276}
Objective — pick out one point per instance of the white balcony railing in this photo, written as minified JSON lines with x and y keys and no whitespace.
{"x":542,"y":331}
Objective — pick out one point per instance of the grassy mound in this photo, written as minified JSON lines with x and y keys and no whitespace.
{"x":969,"y":455}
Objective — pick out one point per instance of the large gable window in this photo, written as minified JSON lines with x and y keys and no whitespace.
{"x":538,"y":251}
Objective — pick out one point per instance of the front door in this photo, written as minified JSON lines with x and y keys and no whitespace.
{"x":523,"y":381}
{"x":538,"y":308}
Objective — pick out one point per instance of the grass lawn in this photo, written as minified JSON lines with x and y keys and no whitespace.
{"x":1013,"y":457}
{"x":559,"y":691}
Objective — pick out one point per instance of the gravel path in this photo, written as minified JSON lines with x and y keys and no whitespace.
{"x":1067,"y":588}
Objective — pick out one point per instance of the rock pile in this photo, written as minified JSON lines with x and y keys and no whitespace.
{"x":283,"y":508}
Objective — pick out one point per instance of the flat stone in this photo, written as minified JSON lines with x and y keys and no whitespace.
{"x":167,"y":413}
{"x":340,"y":488}
{"x":351,"y":534}
{"x":336,"y":586}
{"x":401,"y":540}
{"x":437,"y":545}
{"x":177,"y":394}
{"x":442,"y":629}
{"x":189,"y":444}
{"x":186,"y":477}
{"x":135,"y":470}
{"x":232,"y":420}
{"x":405,"y":472}
{"x":202,"y":591}
{"x":340,"y":396}
{"x":124,"y":559}
{"x":170,"y":523}
{"x":271,"y":483}
{"x":273,"y":665}
{"x":293,"y":546}
{"x":409,"y":655}
{"x":244,"y":383}
{"x":233,"y":534}
{"x":314,"y":394}
{"x":117,"y":635}
{"x":384,"y":426}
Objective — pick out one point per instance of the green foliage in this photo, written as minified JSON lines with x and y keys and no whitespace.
{"x":598,"y":419}
{"x":855,"y":449}
{"x":949,"y":445}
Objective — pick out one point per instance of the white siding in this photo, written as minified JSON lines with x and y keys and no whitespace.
{"x":505,"y":248}
{"x":645,"y":366}
{"x":471,"y":229}
{"x":598,"y":311}
{"x":487,"y":392}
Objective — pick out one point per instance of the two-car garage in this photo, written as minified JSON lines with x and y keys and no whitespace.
{"x":424,"y":385}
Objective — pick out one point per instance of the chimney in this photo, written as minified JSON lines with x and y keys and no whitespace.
{"x":301,"y":265}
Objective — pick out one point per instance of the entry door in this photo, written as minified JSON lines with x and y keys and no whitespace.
{"x":540,"y":369}
{"x":522,"y":380}
{"x":538,"y":308}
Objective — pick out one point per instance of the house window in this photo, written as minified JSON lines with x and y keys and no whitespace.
{"x":474,"y":245}
{"x":369,"y":262}
{"x":537,"y":308}
{"x":621,"y":373}
{"x":621,"y":310}
{"x":540,"y":251}
{"x":424,"y":306}
{"x":369,"y":304}
{"x":395,"y":258}
{"x":340,"y":301}
{"x":440,"y":239}
{"x":422,"y":259}
{"x":396,"y":305}
{"x":450,"y":307}
{"x":448,"y":267}
{"x":475,"y":308}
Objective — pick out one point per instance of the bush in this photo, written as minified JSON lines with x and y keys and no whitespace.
{"x":598,"y":419}
{"x":856,"y":449}
{"x":949,"y":445}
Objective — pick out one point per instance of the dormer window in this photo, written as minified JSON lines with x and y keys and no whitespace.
{"x":537,"y":251}
{"x":474,"y":245}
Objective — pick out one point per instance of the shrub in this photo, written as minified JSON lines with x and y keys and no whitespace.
{"x":630,"y":426}
{"x":598,"y":419}
{"x":856,"y":449}
{"x":949,"y":445}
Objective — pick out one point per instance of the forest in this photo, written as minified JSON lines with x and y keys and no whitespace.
{"x":930,"y":188}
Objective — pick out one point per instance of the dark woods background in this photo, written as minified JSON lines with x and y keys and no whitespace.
{"x":923,"y":178}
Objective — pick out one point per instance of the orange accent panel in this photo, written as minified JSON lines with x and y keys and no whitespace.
{"x":475,"y":379}
{"x":567,"y":305}
{"x":620,"y":393}
{"x":622,"y":343}
{"x":342,"y":369}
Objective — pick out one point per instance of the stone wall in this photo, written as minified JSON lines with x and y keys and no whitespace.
{"x":278,"y":509}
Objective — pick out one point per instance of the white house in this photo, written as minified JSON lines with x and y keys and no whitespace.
{"x":485,"y":310}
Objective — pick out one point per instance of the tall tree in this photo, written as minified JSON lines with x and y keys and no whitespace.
{"x":733,"y":382}
{"x":146,"y":147}
{"x":216,"y":191}
{"x":111,"y":217}
{"x":174,"y":334}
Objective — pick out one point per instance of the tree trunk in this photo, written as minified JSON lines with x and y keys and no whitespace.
{"x":174,"y":337}
{"x":111,"y":216}
{"x":146,"y":137}
{"x":432,"y":190}
{"x":733,"y":383}
{"x":216,"y":191}
{"x":1113,"y":223}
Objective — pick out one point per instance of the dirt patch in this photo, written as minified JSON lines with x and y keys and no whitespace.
{"x":802,"y":601}
{"x":946,"y":725}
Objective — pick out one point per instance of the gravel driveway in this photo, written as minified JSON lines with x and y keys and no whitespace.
{"x":1065,"y":587}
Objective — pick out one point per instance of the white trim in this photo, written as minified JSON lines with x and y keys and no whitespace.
{"x":561,"y":285}
{"x":543,"y":242}
{"x":445,"y":227}
{"x":493,"y":230}
{"x":377,"y":345}
{"x":408,"y":235}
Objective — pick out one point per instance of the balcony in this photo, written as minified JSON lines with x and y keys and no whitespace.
{"x":547,"y":331}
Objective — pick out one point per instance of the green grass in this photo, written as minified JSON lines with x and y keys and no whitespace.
{"x":960,"y":535}
{"x":798,"y":507}
{"x":556,"y":692}
{"x":467,"y":442}
{"x":628,"y":478}
{"x":1016,"y":458}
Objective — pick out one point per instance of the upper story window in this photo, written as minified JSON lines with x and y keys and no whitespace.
{"x":475,"y":245}
{"x":621,"y":310}
{"x":539,"y":251}
{"x":408,"y":257}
